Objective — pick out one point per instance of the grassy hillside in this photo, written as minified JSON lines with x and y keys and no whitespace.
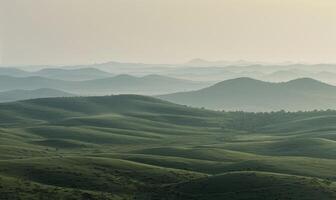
{"x":137,"y":147}
{"x":253,"y":185}
{"x":245,"y":94}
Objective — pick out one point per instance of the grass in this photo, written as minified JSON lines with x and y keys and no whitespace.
{"x":253,"y":185}
{"x":135,"y":147}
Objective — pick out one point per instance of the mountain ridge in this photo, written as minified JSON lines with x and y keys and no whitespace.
{"x":146,"y":85}
{"x":249,"y":94}
{"x":19,"y":94}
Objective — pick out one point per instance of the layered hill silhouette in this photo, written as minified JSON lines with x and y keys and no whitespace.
{"x":79,"y":74}
{"x":16,"y":95}
{"x":147,"y":85}
{"x":246,"y":94}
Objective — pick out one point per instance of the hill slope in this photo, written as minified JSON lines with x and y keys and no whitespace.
{"x":253,"y":185}
{"x":247,"y":94}
{"x":138,"y":147}
{"x":16,"y":95}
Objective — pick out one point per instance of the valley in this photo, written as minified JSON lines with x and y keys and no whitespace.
{"x":137,"y":147}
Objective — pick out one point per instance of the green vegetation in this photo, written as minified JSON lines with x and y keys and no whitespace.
{"x":137,"y":147}
{"x":246,"y":94}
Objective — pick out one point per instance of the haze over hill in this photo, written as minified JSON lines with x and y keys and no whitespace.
{"x":151,"y":79}
{"x":167,"y":100}
{"x":16,"y":95}
{"x":80,"y":74}
{"x":246,"y":94}
{"x":147,"y":85}
{"x":196,"y":70}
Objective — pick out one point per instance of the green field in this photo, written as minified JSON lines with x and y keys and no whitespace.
{"x":136,"y":147}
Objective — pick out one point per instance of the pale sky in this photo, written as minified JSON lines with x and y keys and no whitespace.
{"x":166,"y":31}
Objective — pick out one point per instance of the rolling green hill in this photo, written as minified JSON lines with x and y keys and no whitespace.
{"x":138,"y":147}
{"x":253,"y":185}
{"x":245,"y":94}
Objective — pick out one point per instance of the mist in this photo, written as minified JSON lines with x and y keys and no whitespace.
{"x":157,"y":31}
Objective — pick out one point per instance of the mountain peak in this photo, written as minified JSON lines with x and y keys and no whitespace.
{"x":124,"y":76}
{"x":197,"y":61}
{"x":307,"y":82}
{"x":241,"y":81}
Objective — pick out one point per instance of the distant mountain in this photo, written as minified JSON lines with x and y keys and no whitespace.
{"x":73,"y":74}
{"x":138,"y":69}
{"x":121,"y":84}
{"x":16,"y":95}
{"x":326,"y":77}
{"x":270,"y":68}
{"x":285,"y":75}
{"x":30,"y":83}
{"x":11,"y":71}
{"x":248,"y":94}
{"x":198,"y":62}
{"x":149,"y":85}
{"x":79,"y":74}
{"x":196,"y":69}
